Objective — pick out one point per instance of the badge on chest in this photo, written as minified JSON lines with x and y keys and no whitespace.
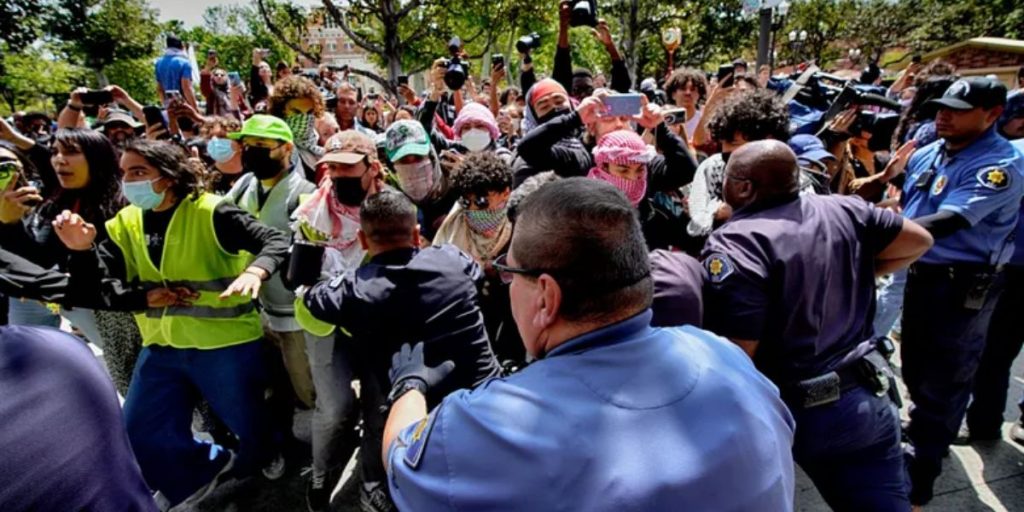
{"x":939,"y":185}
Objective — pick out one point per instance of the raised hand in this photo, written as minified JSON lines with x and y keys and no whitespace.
{"x":74,"y":231}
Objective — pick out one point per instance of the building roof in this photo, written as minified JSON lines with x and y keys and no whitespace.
{"x":988,"y":43}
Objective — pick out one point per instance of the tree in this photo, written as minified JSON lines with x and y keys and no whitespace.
{"x":33,"y":77}
{"x":826,"y":23}
{"x":21,"y":23}
{"x":97,"y":33}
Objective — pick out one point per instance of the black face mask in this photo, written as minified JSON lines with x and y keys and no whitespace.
{"x":551,"y":115}
{"x":349,"y":191}
{"x":257,"y":159}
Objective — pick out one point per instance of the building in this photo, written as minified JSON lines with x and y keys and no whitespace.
{"x":984,"y":56}
{"x":336,"y":48}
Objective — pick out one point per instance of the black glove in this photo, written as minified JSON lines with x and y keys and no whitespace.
{"x":408,"y":371}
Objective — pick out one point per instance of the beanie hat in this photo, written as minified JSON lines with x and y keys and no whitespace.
{"x":479,"y":113}
{"x":623,"y":147}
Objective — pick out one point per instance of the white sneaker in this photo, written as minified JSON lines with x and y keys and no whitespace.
{"x":275,"y":469}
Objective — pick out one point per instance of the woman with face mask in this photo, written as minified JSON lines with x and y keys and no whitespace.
{"x":475,"y":130}
{"x":299,"y":103}
{"x":478,"y":224}
{"x":85,"y":164}
{"x":225,"y":153}
{"x":182,"y":259}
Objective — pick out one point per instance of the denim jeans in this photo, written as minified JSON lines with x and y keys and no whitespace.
{"x":167,"y":385}
{"x":31,"y":312}
{"x":890,"y":303}
{"x":335,"y":415}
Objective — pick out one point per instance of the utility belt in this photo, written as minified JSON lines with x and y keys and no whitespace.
{"x":872,"y":371}
{"x":974,"y":279}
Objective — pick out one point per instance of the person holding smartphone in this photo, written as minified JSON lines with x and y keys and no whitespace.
{"x":221,"y":96}
{"x":174,"y":73}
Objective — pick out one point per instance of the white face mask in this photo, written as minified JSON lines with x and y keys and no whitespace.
{"x":476,"y":140}
{"x":416,"y":180}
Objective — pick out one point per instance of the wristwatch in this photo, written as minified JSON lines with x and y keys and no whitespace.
{"x":404,"y":387}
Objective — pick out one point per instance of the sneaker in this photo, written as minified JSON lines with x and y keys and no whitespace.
{"x":317,"y":492}
{"x":205,"y":490}
{"x":373,"y":497}
{"x":967,"y":436}
{"x":275,"y":469}
{"x":1017,"y":433}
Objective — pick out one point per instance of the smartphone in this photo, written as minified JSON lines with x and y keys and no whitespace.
{"x":155,"y":117}
{"x":497,"y":61}
{"x":674,"y":116}
{"x":8,"y":171}
{"x":96,"y":97}
{"x":172,"y":95}
{"x":726,"y":75}
{"x":234,"y":78}
{"x":403,"y":80}
{"x":623,"y":104}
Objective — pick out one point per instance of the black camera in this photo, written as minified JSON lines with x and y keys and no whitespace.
{"x":584,"y":14}
{"x":455,"y":71}
{"x":527,"y":43}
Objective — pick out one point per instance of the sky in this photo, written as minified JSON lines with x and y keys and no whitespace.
{"x":191,"y":11}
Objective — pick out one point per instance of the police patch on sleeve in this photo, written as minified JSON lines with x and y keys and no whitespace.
{"x":994,"y":178}
{"x":418,"y":441}
{"x":718,"y":267}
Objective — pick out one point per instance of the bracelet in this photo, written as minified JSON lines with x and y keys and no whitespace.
{"x":72,"y":107}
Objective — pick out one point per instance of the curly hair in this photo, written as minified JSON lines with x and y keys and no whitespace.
{"x":480,"y":174}
{"x":937,"y":67}
{"x":683,"y":76}
{"x":172,"y":161}
{"x":932,"y":88}
{"x":290,"y":88}
{"x":229,"y":124}
{"x":101,"y":198}
{"x":757,"y":115}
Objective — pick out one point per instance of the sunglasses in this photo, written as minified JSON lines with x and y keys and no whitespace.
{"x":506,"y":273}
{"x":481,"y":203}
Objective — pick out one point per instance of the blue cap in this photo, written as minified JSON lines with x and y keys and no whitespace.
{"x":810,"y":148}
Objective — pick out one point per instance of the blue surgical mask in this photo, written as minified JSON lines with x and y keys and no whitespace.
{"x":141,"y":194}
{"x":220,"y":150}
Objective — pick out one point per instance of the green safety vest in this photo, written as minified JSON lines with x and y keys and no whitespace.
{"x":192,"y":257}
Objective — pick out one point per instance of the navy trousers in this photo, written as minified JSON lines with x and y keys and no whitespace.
{"x":167,"y":385}
{"x":1004,"y":341}
{"x":942,"y":343}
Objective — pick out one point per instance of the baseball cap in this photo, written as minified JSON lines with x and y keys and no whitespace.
{"x":348,"y":147}
{"x":120,"y":116}
{"x":405,"y":138}
{"x":267,"y":127}
{"x":970,"y":93}
{"x":810,"y":148}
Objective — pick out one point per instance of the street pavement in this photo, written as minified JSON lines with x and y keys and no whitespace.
{"x":979,"y":478}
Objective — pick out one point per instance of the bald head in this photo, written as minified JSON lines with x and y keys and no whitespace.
{"x":761,"y":170}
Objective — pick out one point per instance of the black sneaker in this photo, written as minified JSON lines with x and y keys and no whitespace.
{"x":373,"y":497}
{"x":318,"y":493}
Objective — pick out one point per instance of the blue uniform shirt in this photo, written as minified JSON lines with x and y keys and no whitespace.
{"x":628,"y":417}
{"x":984,"y":183}
{"x":1018,"y":254}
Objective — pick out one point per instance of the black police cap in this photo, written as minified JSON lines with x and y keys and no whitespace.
{"x":970,"y":93}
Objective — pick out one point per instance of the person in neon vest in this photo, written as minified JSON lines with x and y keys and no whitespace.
{"x":182,"y":260}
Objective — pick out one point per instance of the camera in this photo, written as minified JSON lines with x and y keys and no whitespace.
{"x":527,"y":43}
{"x":584,"y":14}
{"x":497,"y":61}
{"x":455,"y":71}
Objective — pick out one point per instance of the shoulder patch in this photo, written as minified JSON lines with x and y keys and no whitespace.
{"x":418,"y":440}
{"x":994,"y":178}
{"x":940,"y":185}
{"x":718,"y":267}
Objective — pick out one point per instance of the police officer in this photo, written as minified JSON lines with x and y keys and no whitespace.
{"x":790,"y":279}
{"x":966,"y":189}
{"x":614,"y":413}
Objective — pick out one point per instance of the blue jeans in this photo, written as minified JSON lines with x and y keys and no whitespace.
{"x":167,"y":385}
{"x":85,"y":320}
{"x":31,"y":312}
{"x":851,"y":450}
{"x":890,"y":303}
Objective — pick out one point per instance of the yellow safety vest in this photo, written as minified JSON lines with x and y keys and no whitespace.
{"x":192,"y":257}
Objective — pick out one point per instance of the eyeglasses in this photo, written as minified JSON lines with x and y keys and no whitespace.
{"x":506,"y":273}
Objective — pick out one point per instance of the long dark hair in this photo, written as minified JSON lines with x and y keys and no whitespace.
{"x":101,"y":199}
{"x":174,"y":163}
{"x":915,"y":113}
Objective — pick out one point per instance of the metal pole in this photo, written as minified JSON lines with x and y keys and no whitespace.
{"x":762,"y":40}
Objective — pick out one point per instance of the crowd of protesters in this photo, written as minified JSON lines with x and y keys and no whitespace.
{"x":408,"y":265}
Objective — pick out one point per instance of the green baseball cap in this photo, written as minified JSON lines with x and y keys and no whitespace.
{"x":268,"y":127}
{"x":405,"y":138}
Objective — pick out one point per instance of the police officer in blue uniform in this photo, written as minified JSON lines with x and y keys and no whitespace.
{"x":614,"y":414}
{"x":790,"y":279}
{"x":966,"y":189}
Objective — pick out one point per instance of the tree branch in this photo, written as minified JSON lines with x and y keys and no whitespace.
{"x":407,"y":9}
{"x":342,"y":19}
{"x":274,"y":29}
{"x":376,"y":78}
